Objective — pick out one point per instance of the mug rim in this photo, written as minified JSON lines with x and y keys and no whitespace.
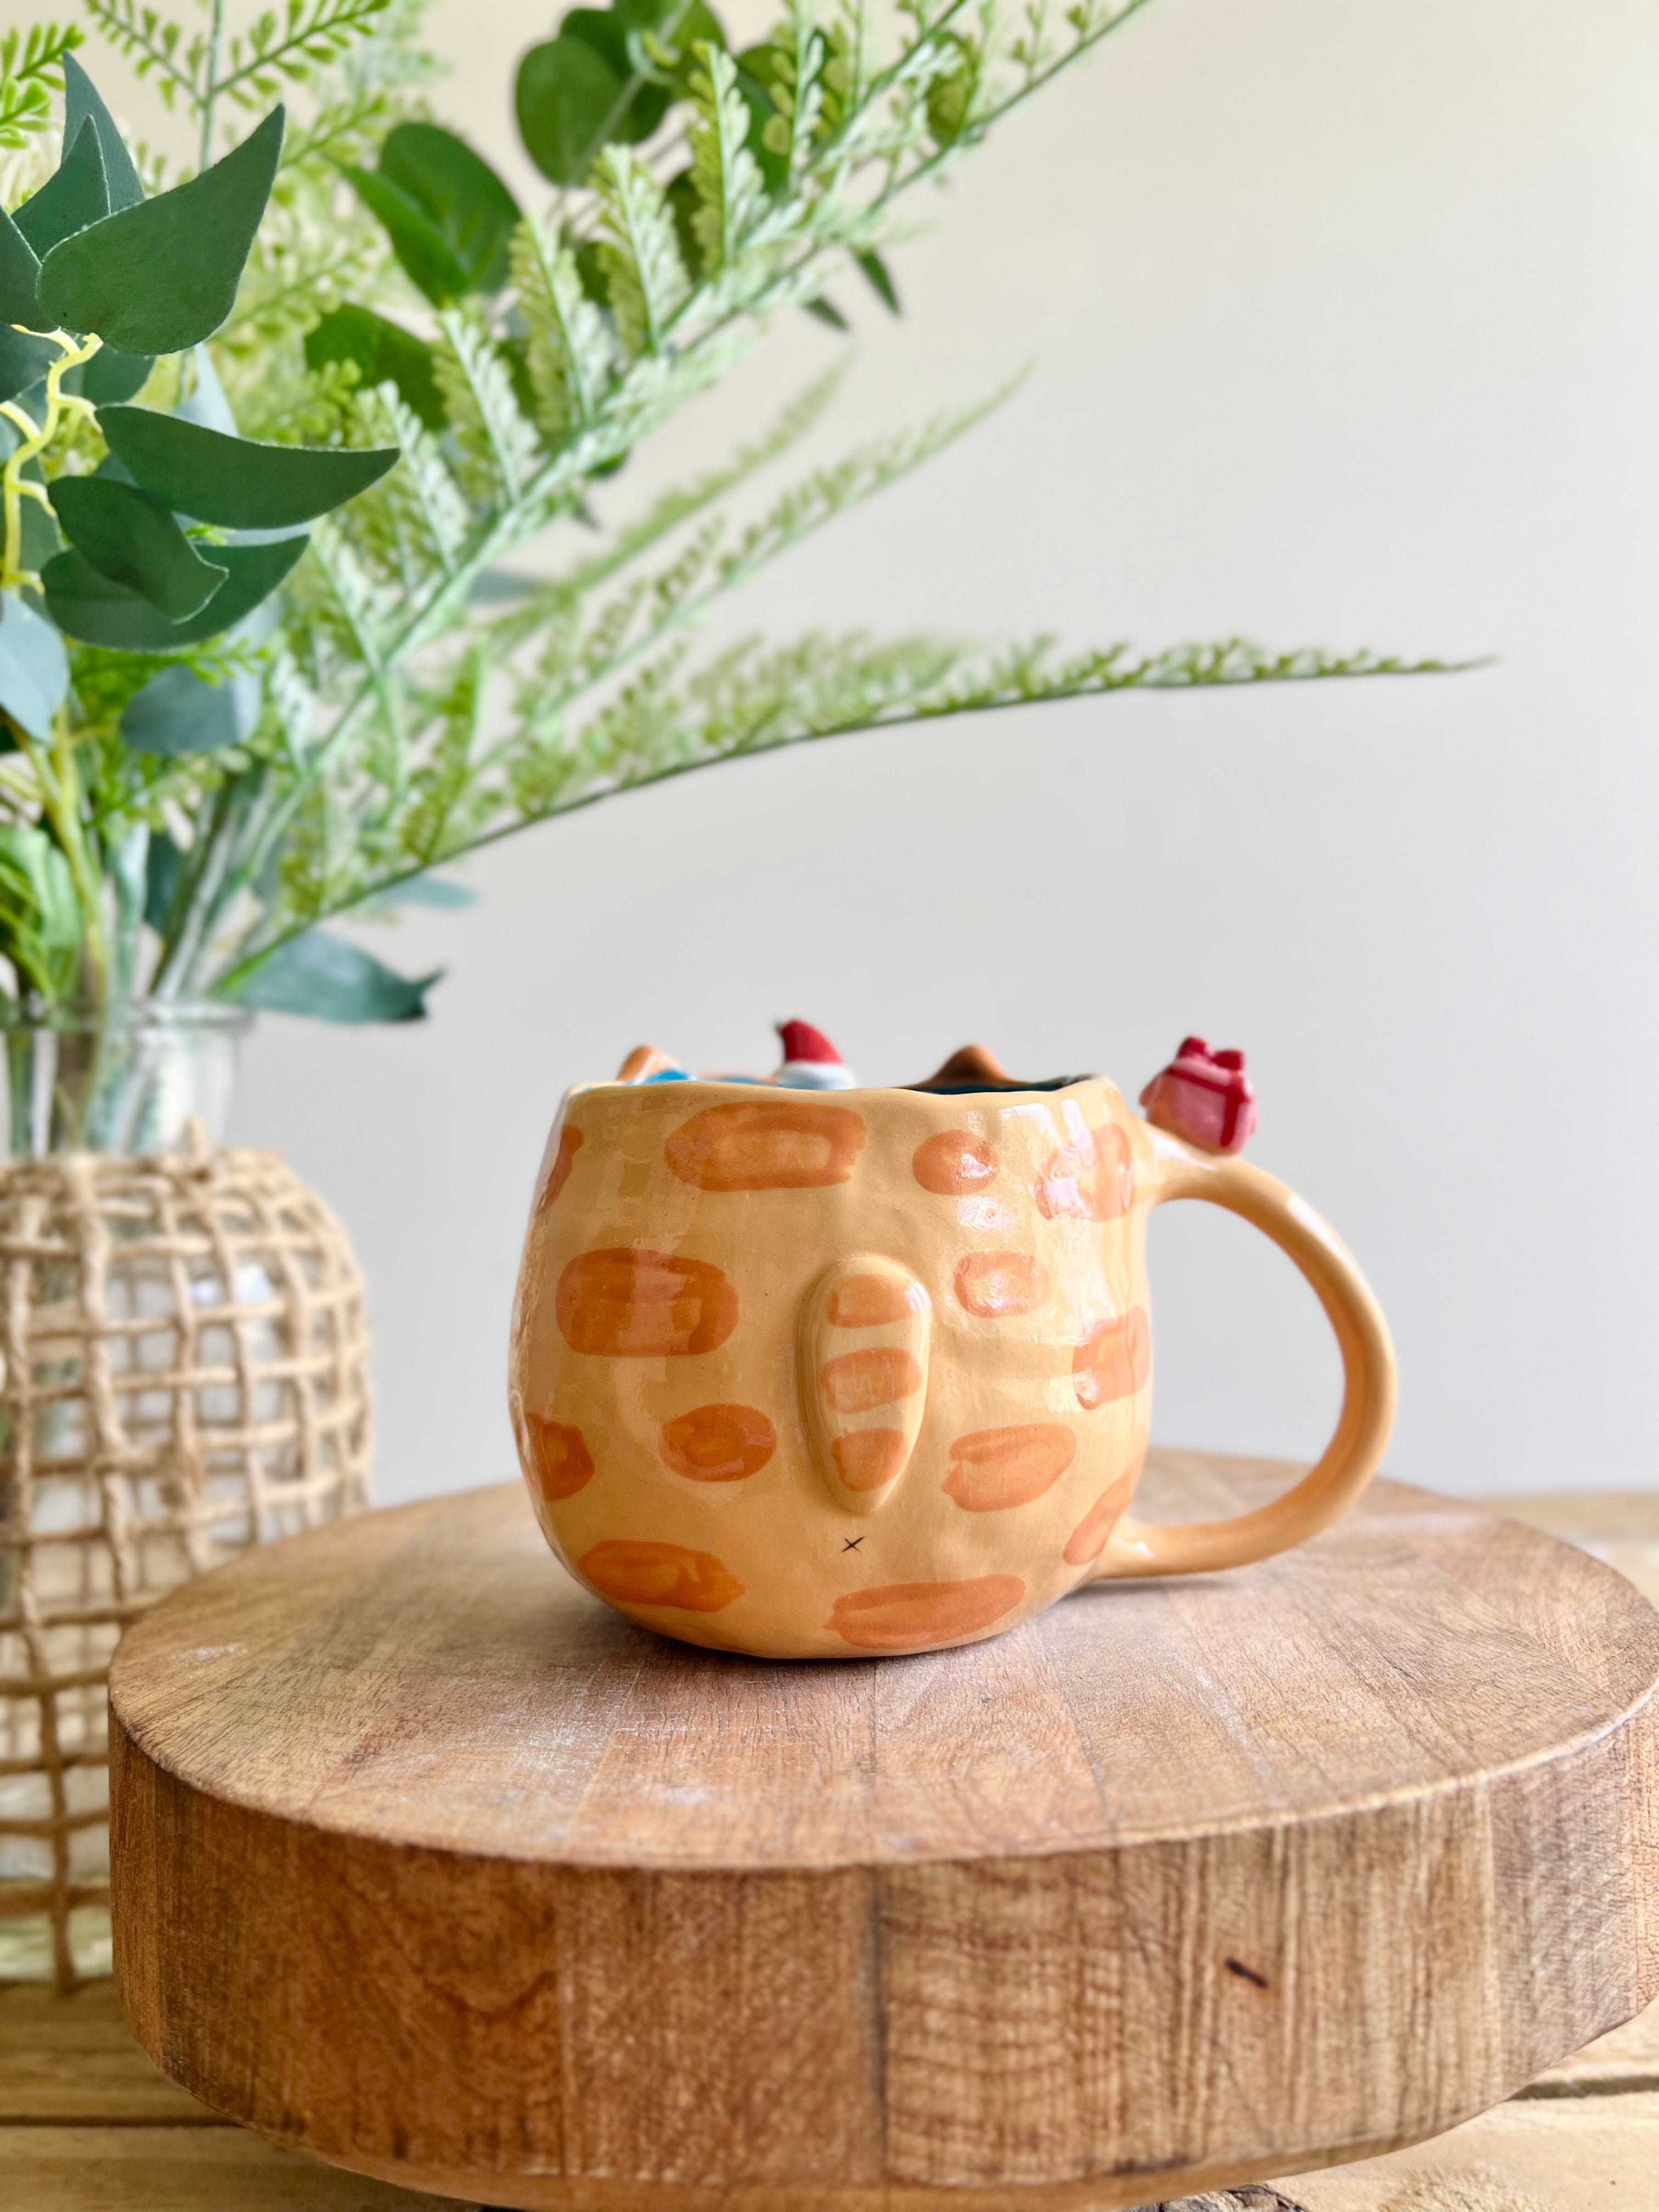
{"x":742,"y":1087}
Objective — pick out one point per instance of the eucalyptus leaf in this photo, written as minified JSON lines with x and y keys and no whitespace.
{"x":40,"y":537}
{"x":876,"y":275}
{"x":109,"y":375}
{"x":565,"y":97}
{"x":82,"y":105}
{"x":163,"y":869}
{"x":23,"y":360}
{"x":425,"y":255}
{"x":19,"y":275}
{"x":73,"y":196}
{"x":461,"y":194}
{"x":646,"y":98}
{"x":162,"y":276}
{"x":448,"y":216}
{"x":429,"y":891}
{"x":827,"y":312}
{"x":131,"y":539}
{"x":34,"y":667}
{"x":100,"y":611}
{"x":179,"y":713}
{"x":334,"y":980}
{"x":238,"y":483}
{"x":384,"y":353}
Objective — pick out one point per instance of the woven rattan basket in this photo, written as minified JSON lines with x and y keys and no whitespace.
{"x":185,"y":1373}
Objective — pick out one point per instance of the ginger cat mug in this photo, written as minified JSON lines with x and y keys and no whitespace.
{"x":823,"y":1373}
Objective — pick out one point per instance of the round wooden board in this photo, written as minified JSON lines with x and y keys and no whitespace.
{"x":429,"y":1864}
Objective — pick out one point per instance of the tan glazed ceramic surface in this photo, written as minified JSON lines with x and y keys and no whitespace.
{"x":810,"y":1374}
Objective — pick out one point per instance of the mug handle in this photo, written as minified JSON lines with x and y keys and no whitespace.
{"x":1139,"y":1547}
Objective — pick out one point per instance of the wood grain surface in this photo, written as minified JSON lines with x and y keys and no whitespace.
{"x":87,"y":2124}
{"x":429,"y":1865}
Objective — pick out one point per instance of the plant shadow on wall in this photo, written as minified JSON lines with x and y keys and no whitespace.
{"x":272,"y":426}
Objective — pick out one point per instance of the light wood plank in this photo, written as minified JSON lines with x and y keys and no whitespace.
{"x":73,"y":2058}
{"x":1628,"y":2059}
{"x":1553,"y":2155}
{"x":168,"y":2169}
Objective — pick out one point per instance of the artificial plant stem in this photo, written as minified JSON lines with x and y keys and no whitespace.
{"x":33,"y":440}
{"x":197,"y":884}
{"x":59,"y":779}
{"x":210,"y":80}
{"x":131,"y":857}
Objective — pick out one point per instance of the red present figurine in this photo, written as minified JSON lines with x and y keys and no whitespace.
{"x":1205,"y":1096}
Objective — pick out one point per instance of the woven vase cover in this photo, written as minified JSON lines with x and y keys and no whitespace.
{"x":184,"y":1372}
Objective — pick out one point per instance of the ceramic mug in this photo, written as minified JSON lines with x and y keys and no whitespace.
{"x":819,"y":1377}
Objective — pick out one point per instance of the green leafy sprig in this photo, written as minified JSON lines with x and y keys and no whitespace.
{"x":342,"y":713}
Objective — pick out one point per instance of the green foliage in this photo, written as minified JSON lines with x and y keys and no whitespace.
{"x":29,"y":61}
{"x":24,"y":361}
{"x":87,"y":604}
{"x":382,"y":352}
{"x":608,"y":78}
{"x":33,"y":668}
{"x":179,"y":712}
{"x":39,"y":912}
{"x":74,"y":196}
{"x":162,"y":277}
{"x":249,"y":68}
{"x":333,"y":980}
{"x":249,"y":352}
{"x":81,"y":105}
{"x":447,"y":214}
{"x":236,"y":482}
{"x":131,"y":539}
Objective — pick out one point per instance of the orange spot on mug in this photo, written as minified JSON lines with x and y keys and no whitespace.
{"x":954,"y":1163}
{"x":562,"y":1462}
{"x":623,"y":1303}
{"x":652,"y":1574}
{"x":996,"y":1284}
{"x":999,"y":1469}
{"x":719,"y":1444}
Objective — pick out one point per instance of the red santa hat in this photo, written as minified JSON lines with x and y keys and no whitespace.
{"x":810,"y":1062}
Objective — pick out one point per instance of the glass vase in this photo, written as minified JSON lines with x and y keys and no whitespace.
{"x":129,"y":1079}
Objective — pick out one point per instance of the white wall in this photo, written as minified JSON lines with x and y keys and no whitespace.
{"x":1343,"y":326}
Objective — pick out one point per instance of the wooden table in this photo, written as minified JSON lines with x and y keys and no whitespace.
{"x":87,"y":2125}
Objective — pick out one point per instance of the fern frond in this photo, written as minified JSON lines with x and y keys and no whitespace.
{"x":638,"y":251}
{"x":799,"y":101}
{"x":570,"y":356}
{"x":153,"y":45}
{"x":498,"y":447}
{"x":680,"y":504}
{"x":291,"y":47}
{"x":725,"y":174}
{"x":30,"y":65}
{"x":420,"y":492}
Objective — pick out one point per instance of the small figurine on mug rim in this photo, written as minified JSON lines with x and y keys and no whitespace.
{"x":808,"y":1369}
